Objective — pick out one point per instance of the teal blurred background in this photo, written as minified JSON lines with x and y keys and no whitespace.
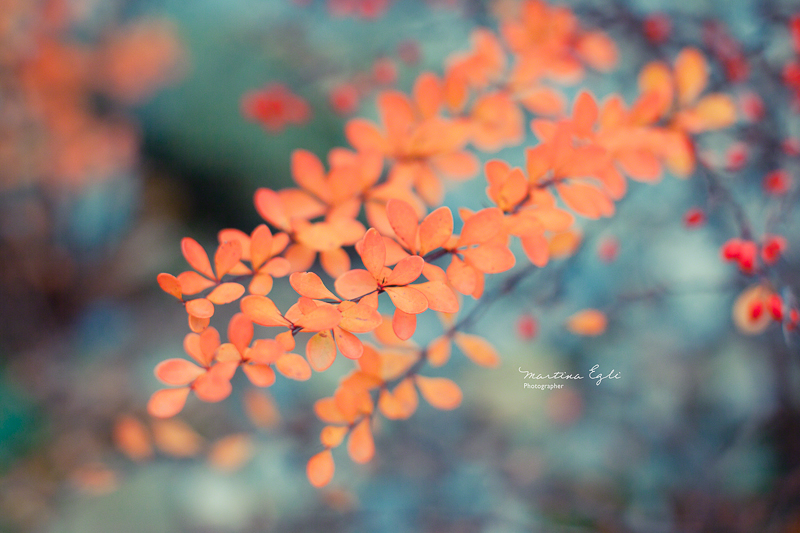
{"x":700,"y":433}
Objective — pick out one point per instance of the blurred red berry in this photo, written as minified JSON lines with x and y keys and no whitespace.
{"x":752,"y":106}
{"x":274,"y":107}
{"x":608,"y":250}
{"x":736,"y":156}
{"x":775,"y":307}
{"x":777,"y":182}
{"x":772,"y":249}
{"x":748,"y":253}
{"x":657,"y":28}
{"x":794,"y":32}
{"x":344,"y":99}
{"x":384,"y":71}
{"x":794,"y":318}
{"x":756,"y":310}
{"x":731,"y":249}
{"x":791,"y":146}
{"x":527,"y":327}
{"x":694,"y":217}
{"x":409,"y":52}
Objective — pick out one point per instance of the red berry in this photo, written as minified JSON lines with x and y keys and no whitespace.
{"x":772,"y":248}
{"x":694,"y":218}
{"x":756,"y":310}
{"x":732,"y":249}
{"x":384,"y":71}
{"x":775,"y":306}
{"x":791,"y":146}
{"x":344,"y":99}
{"x":794,"y":32}
{"x":526,"y":327}
{"x":608,"y":250}
{"x":657,"y":28}
{"x":736,"y":156}
{"x":794,"y":318}
{"x":777,"y":182}
{"x":748,"y":252}
{"x":752,"y":106}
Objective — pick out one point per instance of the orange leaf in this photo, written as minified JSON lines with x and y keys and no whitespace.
{"x":407,"y":299}
{"x":481,"y":227}
{"x":462,"y":277}
{"x":260,"y":246}
{"x":198,"y":325}
{"x":132,"y":438}
{"x":310,"y":285}
{"x":327,"y":411}
{"x":585,"y":200}
{"x":441,"y":393}
{"x":355,"y":283}
{"x":196,"y":257}
{"x":359,"y":318}
{"x":231,"y":453}
{"x":406,"y":271}
{"x":260,"y":409}
{"x":373,"y":252}
{"x":208,"y":342}
{"x":226,"y":293}
{"x":321,"y":351}
{"x":293,"y":366}
{"x":259,"y":375}
{"x":348,"y":344}
{"x":536,"y":248}
{"x":400,"y":403}
{"x":335,"y":262}
{"x":478,"y":349}
{"x":332,"y":436}
{"x":213,"y":386}
{"x":322,"y":318}
{"x":200,"y":308}
{"x":440,"y":297}
{"x":240,"y":331}
{"x":170,"y":285}
{"x":490,"y":258}
{"x":176,"y":438}
{"x":228,"y":254}
{"x":435,"y":229}
{"x":691,"y":74}
{"x":165,"y":403}
{"x":403,"y":324}
{"x":261,"y":284}
{"x":178,"y":371}
{"x":363,"y":135}
{"x":589,"y":322}
{"x":403,"y":220}
{"x":439,"y":351}
{"x":270,"y":206}
{"x":360,"y":445}
{"x":263,"y":311}
{"x":191,"y":282}
{"x":308,"y":172}
{"x":320,"y":469}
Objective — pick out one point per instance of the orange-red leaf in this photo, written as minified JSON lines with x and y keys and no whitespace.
{"x":321,"y":318}
{"x":400,"y":403}
{"x":407,"y":299}
{"x":478,"y":349}
{"x":293,"y":366}
{"x":355,"y":283}
{"x":228,"y":254}
{"x":230,"y":453}
{"x":260,"y":246}
{"x":170,"y":285}
{"x":359,"y":318}
{"x":226,"y":293}
{"x":332,"y":436}
{"x":240,"y":331}
{"x":435,"y":229}
{"x":403,"y":220}
{"x":191,"y":282}
{"x":321,"y":351}
{"x":360,"y":445}
{"x":196,"y":257}
{"x":439,"y":351}
{"x":589,"y":322}
{"x":310,"y":285}
{"x":373,"y":252}
{"x":490,"y":258}
{"x":441,"y":393}
{"x":178,"y":371}
{"x":348,"y":344}
{"x":259,"y":375}
{"x":263,"y":311}
{"x":481,"y":227}
{"x":327,"y":411}
{"x":406,"y":271}
{"x":213,"y":386}
{"x":320,"y":469}
{"x":165,"y":403}
{"x":404,"y":324}
{"x":440,"y":297}
{"x":200,"y":308}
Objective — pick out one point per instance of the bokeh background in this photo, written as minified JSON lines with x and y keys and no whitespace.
{"x":121,"y":131}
